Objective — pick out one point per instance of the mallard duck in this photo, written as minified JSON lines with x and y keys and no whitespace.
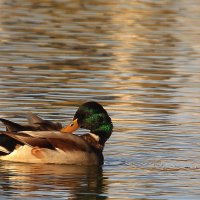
{"x":42,"y":141}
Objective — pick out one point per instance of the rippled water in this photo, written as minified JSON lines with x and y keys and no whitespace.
{"x":140,"y":59}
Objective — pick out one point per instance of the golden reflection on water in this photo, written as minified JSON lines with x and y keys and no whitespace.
{"x":140,"y":59}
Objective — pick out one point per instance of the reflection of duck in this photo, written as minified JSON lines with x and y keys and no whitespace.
{"x":69,"y":181}
{"x":39,"y":143}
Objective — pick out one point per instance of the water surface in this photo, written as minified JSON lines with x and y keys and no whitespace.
{"x":140,"y":59}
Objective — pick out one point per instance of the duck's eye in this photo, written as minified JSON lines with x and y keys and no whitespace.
{"x":72,"y":124}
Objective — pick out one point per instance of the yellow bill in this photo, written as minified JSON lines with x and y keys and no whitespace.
{"x":71,"y":127}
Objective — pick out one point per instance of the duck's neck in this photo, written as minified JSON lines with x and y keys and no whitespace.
{"x":95,"y":137}
{"x":100,"y":132}
{"x":91,"y":139}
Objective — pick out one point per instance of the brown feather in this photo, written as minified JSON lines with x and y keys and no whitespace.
{"x":35,"y":124}
{"x":50,"y":140}
{"x":14,"y":127}
{"x":42,"y":125}
{"x":92,"y":142}
{"x":37,"y":142}
{"x":68,"y":145}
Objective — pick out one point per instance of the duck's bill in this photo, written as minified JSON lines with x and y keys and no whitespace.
{"x":71,"y":127}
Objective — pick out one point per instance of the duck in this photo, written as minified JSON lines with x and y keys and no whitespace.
{"x":43,"y":141}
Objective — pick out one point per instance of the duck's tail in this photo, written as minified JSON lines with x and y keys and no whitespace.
{"x":7,"y":143}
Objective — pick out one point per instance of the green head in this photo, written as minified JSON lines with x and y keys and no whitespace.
{"x":93,"y":116}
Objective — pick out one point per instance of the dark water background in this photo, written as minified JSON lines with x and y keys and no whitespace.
{"x":140,"y":59}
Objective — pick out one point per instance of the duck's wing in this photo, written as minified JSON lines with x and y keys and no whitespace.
{"x":33,"y":119}
{"x":14,"y":127}
{"x":63,"y":141}
{"x":43,"y":125}
{"x":48,"y":139}
{"x":35,"y":124}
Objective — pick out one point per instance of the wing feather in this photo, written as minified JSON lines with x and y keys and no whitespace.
{"x":68,"y":138}
{"x":46,"y":125}
{"x":50,"y":139}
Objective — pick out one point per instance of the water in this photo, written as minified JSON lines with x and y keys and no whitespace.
{"x":140,"y":59}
